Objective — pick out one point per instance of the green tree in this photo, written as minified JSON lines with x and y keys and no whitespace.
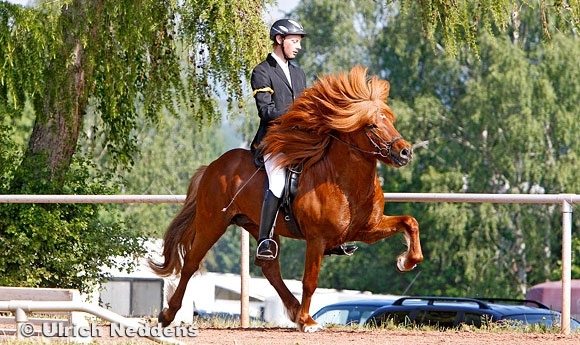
{"x":498,"y":137}
{"x":169,"y":155}
{"x":126,"y":62}
{"x":346,"y":33}
{"x":495,"y":122}
{"x":455,"y":25}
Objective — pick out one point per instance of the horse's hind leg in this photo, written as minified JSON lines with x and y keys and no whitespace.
{"x":271,"y":270}
{"x":205,"y":237}
{"x":190,"y":266}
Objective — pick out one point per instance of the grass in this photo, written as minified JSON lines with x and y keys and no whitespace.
{"x":486,"y":326}
{"x":228,"y":322}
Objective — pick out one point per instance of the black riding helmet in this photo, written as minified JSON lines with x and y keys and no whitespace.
{"x":286,"y":27}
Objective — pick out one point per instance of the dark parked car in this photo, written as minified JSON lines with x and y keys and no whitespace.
{"x":349,"y":312}
{"x":449,"y":312}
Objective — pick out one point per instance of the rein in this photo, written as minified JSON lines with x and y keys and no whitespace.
{"x":383,"y":151}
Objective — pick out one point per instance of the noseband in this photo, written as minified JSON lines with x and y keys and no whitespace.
{"x":383,"y":147}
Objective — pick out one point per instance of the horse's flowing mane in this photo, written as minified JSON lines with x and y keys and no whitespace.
{"x":335,"y":103}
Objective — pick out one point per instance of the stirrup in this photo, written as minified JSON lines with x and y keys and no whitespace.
{"x":348,"y":248}
{"x":344,"y":249}
{"x":267,"y":257}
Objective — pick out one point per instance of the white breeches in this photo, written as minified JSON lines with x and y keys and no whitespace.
{"x":276,"y":174}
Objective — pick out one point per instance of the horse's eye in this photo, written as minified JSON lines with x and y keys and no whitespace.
{"x":372,"y":126}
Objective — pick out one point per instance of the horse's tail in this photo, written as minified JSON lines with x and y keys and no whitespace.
{"x":180,"y":233}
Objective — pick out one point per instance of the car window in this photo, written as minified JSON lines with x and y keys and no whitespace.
{"x":365,"y":315}
{"x":451,"y":312}
{"x":394,"y":317}
{"x":476,"y":319}
{"x":333,"y":316}
{"x":353,"y":317}
{"x":347,"y":316}
{"x":533,"y":319}
{"x":437,"y":318}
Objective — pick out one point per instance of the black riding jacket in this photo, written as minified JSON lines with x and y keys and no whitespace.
{"x":273,"y":93}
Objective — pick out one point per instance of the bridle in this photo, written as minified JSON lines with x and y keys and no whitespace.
{"x":383,"y":151}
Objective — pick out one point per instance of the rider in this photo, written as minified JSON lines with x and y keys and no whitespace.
{"x":276,"y":83}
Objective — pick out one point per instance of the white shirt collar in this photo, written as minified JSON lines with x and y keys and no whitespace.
{"x":284,"y":66}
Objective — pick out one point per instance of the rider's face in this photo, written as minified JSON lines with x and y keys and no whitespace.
{"x":291,"y":45}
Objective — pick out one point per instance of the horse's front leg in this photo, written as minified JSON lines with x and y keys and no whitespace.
{"x":389,"y":226}
{"x":312,"y":263}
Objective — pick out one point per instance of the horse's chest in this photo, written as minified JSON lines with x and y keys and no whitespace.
{"x":336,"y":205}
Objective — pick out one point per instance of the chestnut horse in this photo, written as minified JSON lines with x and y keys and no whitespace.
{"x":336,"y":130}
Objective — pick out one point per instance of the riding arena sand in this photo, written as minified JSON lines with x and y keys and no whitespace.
{"x":337,"y":336}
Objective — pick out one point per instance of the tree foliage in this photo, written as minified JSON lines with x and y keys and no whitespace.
{"x":496,"y":120}
{"x":127,"y":63}
{"x":457,"y":24}
{"x":130,"y":63}
{"x":116,"y":54}
{"x":64,"y":245}
{"x":169,"y":155}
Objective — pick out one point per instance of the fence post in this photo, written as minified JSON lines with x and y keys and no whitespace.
{"x":245,"y":279}
{"x":566,"y":264}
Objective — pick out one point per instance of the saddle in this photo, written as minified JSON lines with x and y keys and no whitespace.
{"x":290,"y":190}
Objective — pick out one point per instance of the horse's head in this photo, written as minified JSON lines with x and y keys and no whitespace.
{"x":381,"y":140}
{"x":370,"y":127}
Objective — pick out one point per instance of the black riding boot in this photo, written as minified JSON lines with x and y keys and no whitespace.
{"x":265,"y":242}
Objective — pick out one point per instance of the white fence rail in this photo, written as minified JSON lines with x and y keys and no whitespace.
{"x":566,"y":200}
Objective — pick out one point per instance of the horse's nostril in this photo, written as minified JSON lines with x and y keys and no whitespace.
{"x":406,"y":153}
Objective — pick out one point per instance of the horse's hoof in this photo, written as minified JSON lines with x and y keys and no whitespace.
{"x":312,"y":328}
{"x":162,"y":319}
{"x":401,"y":266}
